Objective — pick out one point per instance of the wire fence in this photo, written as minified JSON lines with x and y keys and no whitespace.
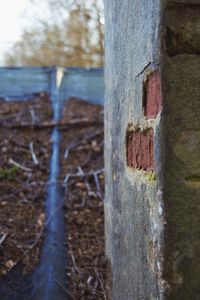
{"x":25,"y":82}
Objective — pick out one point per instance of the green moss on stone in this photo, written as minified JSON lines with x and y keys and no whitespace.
{"x":150,"y":176}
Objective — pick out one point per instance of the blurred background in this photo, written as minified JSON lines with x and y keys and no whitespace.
{"x":52,"y":32}
{"x":52,"y":142}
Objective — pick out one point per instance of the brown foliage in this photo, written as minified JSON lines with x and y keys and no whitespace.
{"x":75,"y":39}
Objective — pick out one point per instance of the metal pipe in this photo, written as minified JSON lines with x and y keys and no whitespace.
{"x":49,"y":279}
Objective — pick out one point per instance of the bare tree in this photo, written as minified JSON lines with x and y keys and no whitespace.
{"x":73,"y":39}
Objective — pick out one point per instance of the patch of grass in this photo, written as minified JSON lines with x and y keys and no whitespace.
{"x":8,"y":173}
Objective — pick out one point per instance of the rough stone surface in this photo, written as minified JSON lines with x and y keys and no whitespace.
{"x":152,"y":99}
{"x":182,"y":32}
{"x":152,"y":226}
{"x":181,"y":122}
{"x":184,"y":2}
{"x":132,"y":43}
{"x":140,"y":149}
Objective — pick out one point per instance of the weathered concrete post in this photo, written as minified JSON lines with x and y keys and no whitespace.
{"x":152,"y":144}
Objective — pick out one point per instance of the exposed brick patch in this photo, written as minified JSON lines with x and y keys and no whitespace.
{"x":152,"y":97}
{"x":140,"y":149}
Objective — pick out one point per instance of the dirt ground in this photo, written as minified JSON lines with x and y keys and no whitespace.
{"x":24,"y":170}
{"x":22,"y":191}
{"x":35,"y":111}
{"x":83,"y":176}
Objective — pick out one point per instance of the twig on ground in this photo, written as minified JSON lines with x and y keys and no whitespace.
{"x":16,"y":164}
{"x":36,"y":183}
{"x":96,"y":178}
{"x":19,"y":145}
{"x":13,"y":193}
{"x":35,"y":160}
{"x":99,"y":279}
{"x":10,"y":117}
{"x":61,"y":126}
{"x":90,"y":192}
{"x":74,"y":263}
{"x":81,"y":174}
{"x":33,"y":116}
{"x":19,"y":115}
{"x":77,"y":142}
{"x":101,"y":284}
{"x":87,"y":160}
{"x":64,"y":289}
{"x":2,"y":239}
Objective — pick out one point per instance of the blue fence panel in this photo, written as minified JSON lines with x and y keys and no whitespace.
{"x":23,"y":82}
{"x":83,"y":83}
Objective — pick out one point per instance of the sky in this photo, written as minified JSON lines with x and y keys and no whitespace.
{"x":12,"y":22}
{"x":14,"y":16}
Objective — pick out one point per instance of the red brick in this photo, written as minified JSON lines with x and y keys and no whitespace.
{"x":152,"y":102}
{"x":140,"y":149}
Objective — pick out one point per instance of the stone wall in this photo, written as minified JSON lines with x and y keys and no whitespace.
{"x":152,"y":139}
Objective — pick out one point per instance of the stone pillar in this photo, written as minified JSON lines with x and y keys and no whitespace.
{"x":152,"y":145}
